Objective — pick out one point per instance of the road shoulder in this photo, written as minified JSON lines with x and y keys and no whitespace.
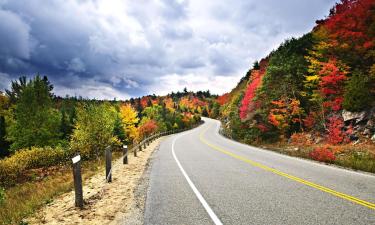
{"x":106,"y":203}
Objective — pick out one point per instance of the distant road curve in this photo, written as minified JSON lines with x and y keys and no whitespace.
{"x":200,"y":177}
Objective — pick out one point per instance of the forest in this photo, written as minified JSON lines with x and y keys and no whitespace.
{"x":314,"y":96}
{"x":39,"y":129}
{"x":40,"y":133}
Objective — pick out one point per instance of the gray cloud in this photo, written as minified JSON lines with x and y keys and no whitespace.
{"x":113,"y":48}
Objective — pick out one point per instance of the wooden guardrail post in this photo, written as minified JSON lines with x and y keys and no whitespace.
{"x":77,"y":177}
{"x":135,"y":150}
{"x":125,"y":153}
{"x":108,"y":164}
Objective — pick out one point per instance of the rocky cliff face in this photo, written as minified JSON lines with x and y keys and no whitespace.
{"x":363,"y":123}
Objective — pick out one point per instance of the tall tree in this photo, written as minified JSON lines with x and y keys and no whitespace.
{"x":34,"y":122}
{"x":129,"y":119}
{"x":94,"y":129}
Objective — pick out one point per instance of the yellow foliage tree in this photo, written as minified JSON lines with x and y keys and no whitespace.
{"x":129,"y":118}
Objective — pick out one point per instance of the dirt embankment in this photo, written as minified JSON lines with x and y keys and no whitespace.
{"x":105,"y":203}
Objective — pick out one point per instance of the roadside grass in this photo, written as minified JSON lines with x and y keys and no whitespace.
{"x":357,"y":157}
{"x":357,"y":160}
{"x":24,"y":199}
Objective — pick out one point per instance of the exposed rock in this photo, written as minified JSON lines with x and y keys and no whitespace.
{"x":373,"y":138}
{"x":370,"y":123}
{"x":358,"y":128}
{"x":366,"y":132}
{"x":358,"y":116}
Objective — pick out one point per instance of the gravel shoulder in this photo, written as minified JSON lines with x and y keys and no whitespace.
{"x":119,"y":202}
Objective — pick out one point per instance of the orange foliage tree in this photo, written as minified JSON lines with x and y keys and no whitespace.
{"x":286,"y":111}
{"x":147,"y":128}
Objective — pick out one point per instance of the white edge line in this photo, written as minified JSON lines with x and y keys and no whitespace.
{"x":210,"y":212}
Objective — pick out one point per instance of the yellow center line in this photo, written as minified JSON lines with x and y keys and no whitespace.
{"x":291,"y":177}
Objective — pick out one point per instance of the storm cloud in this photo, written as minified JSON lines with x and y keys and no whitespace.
{"x":119,"y":49}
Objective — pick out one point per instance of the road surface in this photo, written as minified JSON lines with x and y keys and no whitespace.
{"x":200,"y":177}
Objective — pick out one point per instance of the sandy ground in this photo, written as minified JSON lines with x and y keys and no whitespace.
{"x":119,"y":202}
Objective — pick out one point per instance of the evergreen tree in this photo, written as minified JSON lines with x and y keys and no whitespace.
{"x":34,"y":121}
{"x":357,"y":93}
{"x":4,"y":145}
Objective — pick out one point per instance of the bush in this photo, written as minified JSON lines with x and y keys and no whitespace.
{"x":12,"y":167}
{"x":335,"y":126}
{"x":300,"y":139}
{"x":322,"y":154}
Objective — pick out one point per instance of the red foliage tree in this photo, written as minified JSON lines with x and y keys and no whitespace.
{"x":349,"y":24}
{"x":332,"y":84}
{"x":148,"y":128}
{"x":145,"y":101}
{"x":248,"y":105}
{"x":223,"y":99}
{"x":197,"y":102}
{"x":247,"y":101}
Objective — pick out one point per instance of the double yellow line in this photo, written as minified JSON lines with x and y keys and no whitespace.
{"x":294,"y":178}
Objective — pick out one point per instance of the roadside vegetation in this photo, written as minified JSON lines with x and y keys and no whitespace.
{"x":40,"y":133}
{"x":314,"y":96}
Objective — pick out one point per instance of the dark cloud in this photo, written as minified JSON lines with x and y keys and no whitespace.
{"x":107,"y":49}
{"x":14,"y":36}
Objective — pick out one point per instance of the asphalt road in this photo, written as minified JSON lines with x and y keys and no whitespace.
{"x":200,"y":177}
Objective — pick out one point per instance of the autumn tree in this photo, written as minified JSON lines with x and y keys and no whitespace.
{"x":129,"y":118}
{"x":223,"y":99}
{"x":285,"y":113}
{"x":147,"y":127}
{"x":248,"y":104}
{"x":94,"y":129}
{"x":332,"y":78}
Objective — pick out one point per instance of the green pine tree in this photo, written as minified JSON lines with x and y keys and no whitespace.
{"x":34,"y":120}
{"x":357,"y":95}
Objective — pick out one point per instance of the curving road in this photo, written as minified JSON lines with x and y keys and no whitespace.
{"x":200,"y":177}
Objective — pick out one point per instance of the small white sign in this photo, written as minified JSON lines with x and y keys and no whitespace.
{"x":76,"y":159}
{"x":125,"y":146}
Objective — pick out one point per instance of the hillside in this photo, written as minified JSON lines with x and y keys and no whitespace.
{"x":314,"y":94}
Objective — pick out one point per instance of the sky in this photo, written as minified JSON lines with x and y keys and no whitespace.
{"x":108,"y":49}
